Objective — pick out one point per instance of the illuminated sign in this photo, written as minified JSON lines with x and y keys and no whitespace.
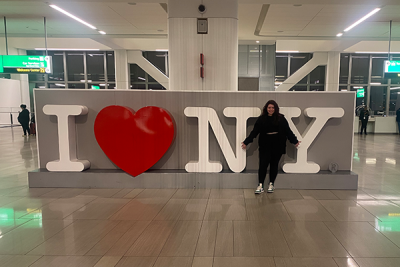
{"x":95,"y":87}
{"x":392,"y":68}
{"x":25,"y":64}
{"x":360,"y":92}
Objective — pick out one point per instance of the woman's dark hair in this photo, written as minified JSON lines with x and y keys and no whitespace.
{"x":22,"y":106}
{"x":276,"y":114}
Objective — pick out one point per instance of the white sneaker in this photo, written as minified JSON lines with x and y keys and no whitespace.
{"x":259,"y":189}
{"x":270,"y":188}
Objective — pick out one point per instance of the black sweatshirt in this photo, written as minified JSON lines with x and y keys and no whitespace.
{"x":277,"y":142}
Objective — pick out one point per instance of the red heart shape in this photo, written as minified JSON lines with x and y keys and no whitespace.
{"x":134,"y":141}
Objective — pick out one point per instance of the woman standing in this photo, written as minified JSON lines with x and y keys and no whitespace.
{"x":274,"y":130}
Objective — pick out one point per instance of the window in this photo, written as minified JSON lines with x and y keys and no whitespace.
{"x":360,"y":69}
{"x":95,"y":66}
{"x":75,"y":67}
{"x":378,"y":99}
{"x":344,"y":68}
{"x":377,"y":70}
{"x":296,"y":62}
{"x":58,"y":66}
{"x":317,"y":76}
{"x":281,"y":69}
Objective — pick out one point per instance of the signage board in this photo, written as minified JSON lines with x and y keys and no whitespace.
{"x":391,"y":68}
{"x":360,"y":92}
{"x":25,"y":64}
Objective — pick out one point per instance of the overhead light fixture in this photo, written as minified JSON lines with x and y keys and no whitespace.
{"x":257,"y":42}
{"x":102,"y":32}
{"x":60,"y":84}
{"x":67,"y":49}
{"x":339,"y":34}
{"x":289,"y":51}
{"x":362,"y":19}
{"x":162,"y":50}
{"x":72,"y":16}
{"x":394,"y":88}
{"x":376,"y":83}
{"x":368,"y":52}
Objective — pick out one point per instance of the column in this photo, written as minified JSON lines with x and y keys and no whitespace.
{"x":332,"y":71}
{"x":121,"y":69}
{"x":219,"y":46}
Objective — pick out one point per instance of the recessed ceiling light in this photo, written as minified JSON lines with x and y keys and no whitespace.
{"x":257,"y":42}
{"x":339,"y":34}
{"x":362,"y":19}
{"x":297,"y":5}
{"x":132,"y":4}
{"x":72,"y":16}
{"x":102,"y":32}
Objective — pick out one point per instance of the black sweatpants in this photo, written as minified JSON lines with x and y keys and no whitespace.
{"x":25,"y":127}
{"x":364,"y":126}
{"x":272,"y":159}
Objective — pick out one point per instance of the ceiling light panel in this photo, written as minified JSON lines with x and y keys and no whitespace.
{"x":362,"y":19}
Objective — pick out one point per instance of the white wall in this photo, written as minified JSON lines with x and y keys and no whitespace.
{"x":10,"y":99}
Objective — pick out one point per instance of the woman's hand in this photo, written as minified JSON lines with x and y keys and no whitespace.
{"x":297,"y":145}
{"x":243,"y":146}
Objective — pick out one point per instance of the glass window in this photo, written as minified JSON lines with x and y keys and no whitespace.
{"x":56,"y":85}
{"x":75,"y":66}
{"x":111,"y":86}
{"x":137,"y":73}
{"x":155,"y":86}
{"x":58,"y":66}
{"x":378,"y":99}
{"x":377,"y":70}
{"x":157,"y":59}
{"x":317,"y":87}
{"x":281,"y":68}
{"x":242,"y":60}
{"x":36,"y":77}
{"x":141,"y":86}
{"x":5,"y":76}
{"x":296,"y":62}
{"x":344,"y":68}
{"x":360,"y":69}
{"x":360,"y":101}
{"x":299,"y":88}
{"x":394,"y":98}
{"x":76,"y":85}
{"x":253,"y":61}
{"x":95,"y":66}
{"x":110,"y":67}
{"x":317,"y":76}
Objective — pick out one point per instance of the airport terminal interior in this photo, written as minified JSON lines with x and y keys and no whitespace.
{"x":310,"y":46}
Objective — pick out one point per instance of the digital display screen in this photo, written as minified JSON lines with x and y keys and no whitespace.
{"x":360,"y":92}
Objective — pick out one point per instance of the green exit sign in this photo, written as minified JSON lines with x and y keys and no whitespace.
{"x":360,"y":92}
{"x":25,"y":64}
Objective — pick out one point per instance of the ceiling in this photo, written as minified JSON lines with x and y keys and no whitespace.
{"x":300,"y":25}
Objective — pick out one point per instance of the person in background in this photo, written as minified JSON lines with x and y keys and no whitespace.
{"x":274,"y":130}
{"x":364,"y":115}
{"x":23,"y":119}
{"x":398,"y":118}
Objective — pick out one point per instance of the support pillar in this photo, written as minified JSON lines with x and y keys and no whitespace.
{"x":121,"y":69}
{"x":332,"y":71}
{"x":219,"y":45}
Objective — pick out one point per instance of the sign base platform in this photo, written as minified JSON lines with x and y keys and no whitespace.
{"x":182,"y":179}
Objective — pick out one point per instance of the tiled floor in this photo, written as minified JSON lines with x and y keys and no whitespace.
{"x":201,"y":228}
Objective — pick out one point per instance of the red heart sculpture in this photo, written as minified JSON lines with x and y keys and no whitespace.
{"x":134,"y":141}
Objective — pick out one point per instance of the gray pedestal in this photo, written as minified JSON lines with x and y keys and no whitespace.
{"x":182,"y":179}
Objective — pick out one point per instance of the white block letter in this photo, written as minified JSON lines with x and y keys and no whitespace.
{"x":208,"y":115}
{"x":66,"y":138}
{"x":321,"y":115}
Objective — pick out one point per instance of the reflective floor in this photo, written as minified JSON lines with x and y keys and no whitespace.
{"x":202,"y":228}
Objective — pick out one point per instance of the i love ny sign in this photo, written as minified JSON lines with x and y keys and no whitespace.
{"x":136,"y":140}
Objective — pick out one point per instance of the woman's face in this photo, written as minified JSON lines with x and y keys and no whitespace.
{"x":270,"y":109}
